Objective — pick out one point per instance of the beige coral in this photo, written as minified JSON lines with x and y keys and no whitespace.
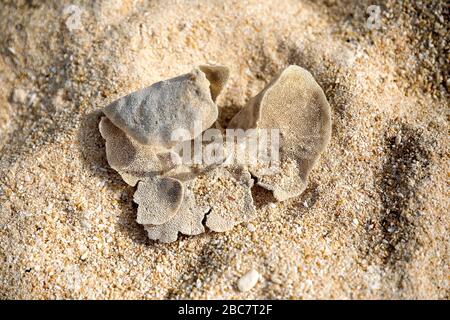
{"x":188,"y":219}
{"x":129,"y":158}
{"x":295,"y":104}
{"x":152,"y":114}
{"x":174,"y":198}
{"x":159,"y":199}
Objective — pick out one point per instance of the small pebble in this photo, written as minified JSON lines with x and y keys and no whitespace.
{"x":251,"y":227}
{"x":391,"y":229}
{"x":248,"y":281}
{"x":19,"y":96}
{"x":84,"y":256}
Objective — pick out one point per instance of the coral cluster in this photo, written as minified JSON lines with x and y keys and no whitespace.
{"x":174,"y":196}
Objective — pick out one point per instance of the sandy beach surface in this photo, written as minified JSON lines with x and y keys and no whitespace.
{"x":373,"y":222}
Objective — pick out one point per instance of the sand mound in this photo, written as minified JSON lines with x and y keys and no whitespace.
{"x":373,"y":222}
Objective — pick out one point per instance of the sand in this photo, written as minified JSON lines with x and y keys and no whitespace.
{"x":372,"y":224}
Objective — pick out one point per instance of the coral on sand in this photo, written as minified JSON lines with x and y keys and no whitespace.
{"x":293,"y":104}
{"x":152,"y":114}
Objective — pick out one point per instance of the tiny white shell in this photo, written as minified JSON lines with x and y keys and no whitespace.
{"x":248,"y":280}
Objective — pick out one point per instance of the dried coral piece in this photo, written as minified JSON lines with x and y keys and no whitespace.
{"x":152,"y":114}
{"x":173,"y":198}
{"x":217,"y":76}
{"x":285,"y":183}
{"x":188,"y":219}
{"x":228,"y":192}
{"x":248,"y":280}
{"x":295,"y":104}
{"x":159,"y":199}
{"x":132,"y":160}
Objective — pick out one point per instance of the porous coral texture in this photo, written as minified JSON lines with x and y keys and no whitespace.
{"x":293,"y":103}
